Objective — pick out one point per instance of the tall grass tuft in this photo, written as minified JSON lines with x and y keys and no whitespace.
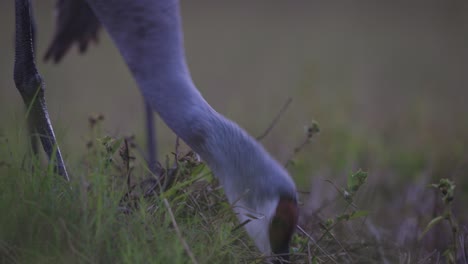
{"x":110,"y":213}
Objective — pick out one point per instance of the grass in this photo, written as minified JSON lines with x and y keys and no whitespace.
{"x":98,"y":218}
{"x":115,"y":211}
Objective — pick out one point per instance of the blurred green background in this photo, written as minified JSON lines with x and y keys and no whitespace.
{"x":386,"y":81}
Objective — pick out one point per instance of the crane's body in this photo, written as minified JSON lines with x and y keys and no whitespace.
{"x":149,"y":36}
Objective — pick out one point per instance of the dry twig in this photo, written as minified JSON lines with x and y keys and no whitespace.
{"x":275,"y":120}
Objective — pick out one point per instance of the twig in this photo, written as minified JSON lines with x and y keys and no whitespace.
{"x":275,"y":120}
{"x":179,"y":234}
{"x":343,"y":195}
{"x":137,"y":147}
{"x":8,"y":252}
{"x":297,"y":150}
{"x":309,"y":254}
{"x":428,"y":257}
{"x":316,"y":243}
{"x":462,"y":246}
{"x":311,"y":131}
{"x":126,"y":157}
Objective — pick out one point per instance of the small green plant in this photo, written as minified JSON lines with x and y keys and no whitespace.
{"x":310,"y":131}
{"x":303,"y":242}
{"x":354,"y":182}
{"x":446,"y":188}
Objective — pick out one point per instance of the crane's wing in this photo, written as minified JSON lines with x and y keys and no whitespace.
{"x":75,"y":23}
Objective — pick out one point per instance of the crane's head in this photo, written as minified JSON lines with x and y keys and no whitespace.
{"x":270,"y":209}
{"x":260,"y":189}
{"x":282,"y":226}
{"x":272,"y":225}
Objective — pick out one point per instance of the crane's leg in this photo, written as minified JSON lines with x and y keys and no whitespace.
{"x":151,"y":138}
{"x":31,"y":130}
{"x":30,"y":85}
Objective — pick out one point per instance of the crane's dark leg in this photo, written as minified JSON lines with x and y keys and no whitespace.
{"x":32,"y":137}
{"x":151,"y":138}
{"x":31,"y":130}
{"x":29,"y":83}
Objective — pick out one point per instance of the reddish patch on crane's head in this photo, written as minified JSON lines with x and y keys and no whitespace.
{"x":282,"y":226}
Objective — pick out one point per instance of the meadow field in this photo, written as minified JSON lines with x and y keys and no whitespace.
{"x":386,"y":82}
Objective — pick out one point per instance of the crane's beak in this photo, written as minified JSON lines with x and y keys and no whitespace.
{"x":282,"y":228}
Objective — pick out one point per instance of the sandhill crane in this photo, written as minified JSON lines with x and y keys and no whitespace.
{"x":149,"y":37}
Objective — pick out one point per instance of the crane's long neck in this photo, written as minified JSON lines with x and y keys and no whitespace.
{"x":149,"y":37}
{"x":148,"y":34}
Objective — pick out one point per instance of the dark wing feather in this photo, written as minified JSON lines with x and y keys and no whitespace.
{"x":75,"y":23}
